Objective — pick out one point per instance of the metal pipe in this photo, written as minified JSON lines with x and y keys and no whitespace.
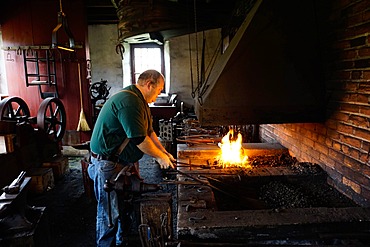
{"x":184,"y":164}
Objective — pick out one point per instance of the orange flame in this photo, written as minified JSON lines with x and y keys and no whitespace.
{"x":232,"y":154}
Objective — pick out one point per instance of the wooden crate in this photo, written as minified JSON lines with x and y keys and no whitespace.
{"x":154,"y":208}
{"x":60,"y":166}
{"x":7,"y":143}
{"x":8,"y":127}
{"x":42,"y":179}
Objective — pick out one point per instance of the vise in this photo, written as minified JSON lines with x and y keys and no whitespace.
{"x":127,"y":183}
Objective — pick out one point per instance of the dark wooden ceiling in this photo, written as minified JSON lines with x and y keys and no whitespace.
{"x":167,"y":17}
{"x":183,"y":17}
{"x":105,"y":11}
{"x":101,"y":12}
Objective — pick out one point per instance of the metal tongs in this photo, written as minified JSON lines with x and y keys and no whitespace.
{"x":251,"y":201}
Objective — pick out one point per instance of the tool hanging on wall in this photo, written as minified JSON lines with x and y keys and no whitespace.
{"x":82,"y":123}
{"x":62,"y":22}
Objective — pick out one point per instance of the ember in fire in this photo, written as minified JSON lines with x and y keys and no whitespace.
{"x":232,"y":153}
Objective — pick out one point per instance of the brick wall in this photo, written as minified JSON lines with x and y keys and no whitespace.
{"x":341,"y":145}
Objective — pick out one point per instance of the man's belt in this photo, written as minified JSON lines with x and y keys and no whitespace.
{"x":104,"y":157}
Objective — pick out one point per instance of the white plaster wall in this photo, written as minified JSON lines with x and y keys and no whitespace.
{"x":126,"y":66}
{"x":180,"y":65}
{"x":106,"y":64}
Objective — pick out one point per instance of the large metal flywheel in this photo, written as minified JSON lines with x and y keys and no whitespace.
{"x":51,"y":117}
{"x":14,"y":109}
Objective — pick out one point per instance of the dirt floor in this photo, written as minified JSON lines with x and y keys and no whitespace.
{"x":71,"y":213}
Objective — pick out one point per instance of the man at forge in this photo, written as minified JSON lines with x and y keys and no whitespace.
{"x":126,"y":114}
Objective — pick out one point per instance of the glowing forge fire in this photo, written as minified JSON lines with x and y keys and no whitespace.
{"x":232,"y":154}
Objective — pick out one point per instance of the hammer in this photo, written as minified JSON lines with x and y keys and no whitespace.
{"x":14,"y":187}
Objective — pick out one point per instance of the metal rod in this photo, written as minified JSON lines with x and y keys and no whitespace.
{"x":179,"y":182}
{"x":206,"y":184}
{"x":256,"y":203}
{"x":200,"y":172}
{"x":184,"y":164}
{"x":247,"y":190}
{"x":198,"y":141}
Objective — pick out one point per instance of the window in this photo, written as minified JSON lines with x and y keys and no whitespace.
{"x":146,"y":56}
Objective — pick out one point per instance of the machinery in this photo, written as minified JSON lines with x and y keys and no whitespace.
{"x":51,"y":115}
{"x":127,"y":183}
{"x":32,"y":141}
{"x":99,"y":92}
{"x":152,"y":210}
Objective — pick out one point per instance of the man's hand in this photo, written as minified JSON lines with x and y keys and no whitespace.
{"x":171,"y":157}
{"x":165,"y":162}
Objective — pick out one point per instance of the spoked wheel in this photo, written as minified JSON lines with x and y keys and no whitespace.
{"x":51,"y":118}
{"x":14,"y":109}
{"x":99,"y":90}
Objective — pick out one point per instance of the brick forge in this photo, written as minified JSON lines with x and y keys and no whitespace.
{"x":201,"y":220}
{"x":340,"y":144}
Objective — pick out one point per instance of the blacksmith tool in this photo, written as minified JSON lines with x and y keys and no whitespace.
{"x":184,"y":164}
{"x":120,"y":50}
{"x":15,"y":186}
{"x":126,"y":182}
{"x":249,"y":201}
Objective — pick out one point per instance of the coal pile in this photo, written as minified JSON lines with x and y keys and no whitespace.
{"x":284,"y":160}
{"x":302,"y":194}
{"x":307,"y":188}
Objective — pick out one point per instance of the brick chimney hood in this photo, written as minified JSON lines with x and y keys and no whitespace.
{"x":270,"y":72}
